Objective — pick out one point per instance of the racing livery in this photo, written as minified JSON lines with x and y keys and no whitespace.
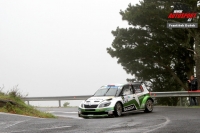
{"x":115,"y":99}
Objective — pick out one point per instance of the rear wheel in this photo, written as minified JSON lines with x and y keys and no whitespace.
{"x":118,"y":109}
{"x":149,"y":106}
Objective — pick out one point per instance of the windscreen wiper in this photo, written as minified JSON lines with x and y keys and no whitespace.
{"x":107,"y":91}
{"x":116,"y":92}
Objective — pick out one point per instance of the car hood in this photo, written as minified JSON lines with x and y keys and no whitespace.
{"x":97,"y":100}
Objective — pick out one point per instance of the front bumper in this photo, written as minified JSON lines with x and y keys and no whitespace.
{"x":98,"y":112}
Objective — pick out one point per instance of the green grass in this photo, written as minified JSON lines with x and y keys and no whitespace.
{"x":18,"y":106}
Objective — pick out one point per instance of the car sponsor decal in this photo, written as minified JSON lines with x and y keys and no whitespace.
{"x":133,"y":101}
{"x":129,"y":108}
{"x":125,"y":99}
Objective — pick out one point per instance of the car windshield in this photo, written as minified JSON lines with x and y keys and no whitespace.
{"x":107,"y":91}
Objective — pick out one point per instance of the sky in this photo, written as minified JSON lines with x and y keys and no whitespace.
{"x":58,"y":47}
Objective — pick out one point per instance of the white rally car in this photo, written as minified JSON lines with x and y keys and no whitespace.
{"x":113,"y":100}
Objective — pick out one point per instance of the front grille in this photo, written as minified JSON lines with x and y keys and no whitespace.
{"x":94,"y":113}
{"x":90,"y":106}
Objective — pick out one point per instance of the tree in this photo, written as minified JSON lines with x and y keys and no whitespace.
{"x":66,"y":104}
{"x":150,"y":50}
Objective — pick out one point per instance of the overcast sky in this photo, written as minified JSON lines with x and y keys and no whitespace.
{"x":58,"y":47}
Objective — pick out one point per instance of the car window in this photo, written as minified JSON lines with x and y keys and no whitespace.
{"x":127,"y":90}
{"x":109,"y":90}
{"x":144,"y":87}
{"x":100,"y":92}
{"x":138,"y":88}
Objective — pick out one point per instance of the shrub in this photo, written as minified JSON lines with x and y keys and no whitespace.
{"x":66,"y":104}
{"x":11,"y":102}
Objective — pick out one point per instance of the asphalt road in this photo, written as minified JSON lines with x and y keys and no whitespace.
{"x":162,"y":119}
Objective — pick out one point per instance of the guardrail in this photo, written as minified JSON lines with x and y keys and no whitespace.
{"x":56,"y":98}
{"x":176,"y":94}
{"x":152,"y":94}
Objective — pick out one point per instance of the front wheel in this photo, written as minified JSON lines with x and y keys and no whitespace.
{"x":148,"y":106}
{"x":118,"y":109}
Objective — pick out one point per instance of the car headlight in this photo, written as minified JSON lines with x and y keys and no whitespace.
{"x":104,"y":104}
{"x":82,"y":105}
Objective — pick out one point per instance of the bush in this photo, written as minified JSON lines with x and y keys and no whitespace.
{"x":66,"y":104}
{"x":16,"y":93}
{"x":1,"y":91}
{"x":11,"y":102}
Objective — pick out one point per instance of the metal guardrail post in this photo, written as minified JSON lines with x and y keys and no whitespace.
{"x":180,"y":101}
{"x":59,"y":102}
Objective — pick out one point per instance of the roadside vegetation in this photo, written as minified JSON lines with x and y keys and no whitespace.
{"x":66,"y":104}
{"x":147,"y":49}
{"x":11,"y":102}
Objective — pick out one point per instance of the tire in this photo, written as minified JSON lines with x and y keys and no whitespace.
{"x":148,"y":106}
{"x":118,"y":109}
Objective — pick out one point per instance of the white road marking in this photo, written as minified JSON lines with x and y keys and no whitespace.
{"x":66,"y":116}
{"x":8,"y":124}
{"x":1,"y":113}
{"x":42,"y":129}
{"x":120,"y":125}
{"x":15,"y":123}
{"x":158,"y":126}
{"x":63,"y":112}
{"x":54,"y":128}
{"x":141,"y":129}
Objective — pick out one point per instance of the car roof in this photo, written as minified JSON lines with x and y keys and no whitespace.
{"x":122,"y":84}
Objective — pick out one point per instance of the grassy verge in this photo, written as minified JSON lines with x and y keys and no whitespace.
{"x":11,"y":102}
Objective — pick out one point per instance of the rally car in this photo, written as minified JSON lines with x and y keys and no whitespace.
{"x":115,"y":99}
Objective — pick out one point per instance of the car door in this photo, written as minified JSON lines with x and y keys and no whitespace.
{"x":139,"y":93}
{"x":129,"y":98}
